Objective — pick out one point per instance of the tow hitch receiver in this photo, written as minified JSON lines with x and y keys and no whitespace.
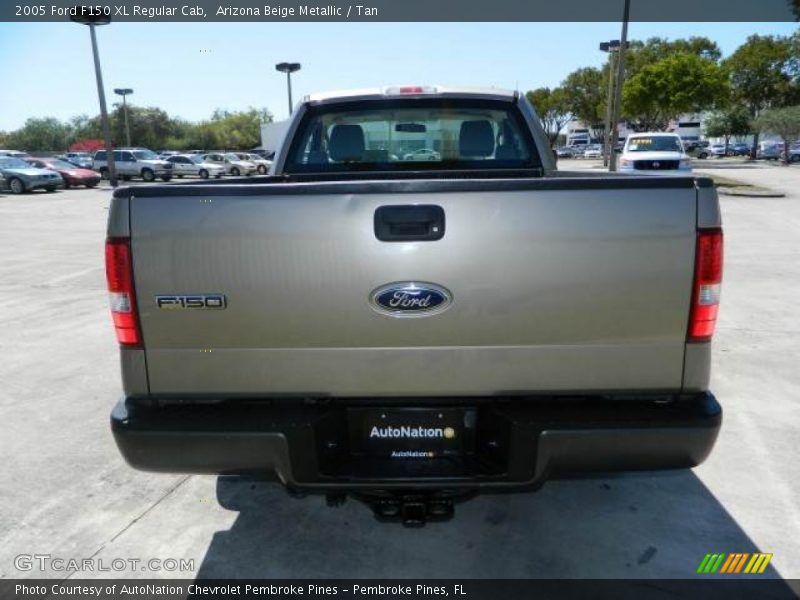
{"x":412,"y":510}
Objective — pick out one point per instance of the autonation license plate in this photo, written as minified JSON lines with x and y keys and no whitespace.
{"x":413,"y":433}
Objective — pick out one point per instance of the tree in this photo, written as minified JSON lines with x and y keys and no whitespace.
{"x":783,"y":122}
{"x":551,"y":106}
{"x":680,"y":83}
{"x":733,"y":121}
{"x":585,"y":96}
{"x":40,"y":134}
{"x":763,"y":73}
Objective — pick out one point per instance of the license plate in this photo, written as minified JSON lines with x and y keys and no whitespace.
{"x":412,"y":433}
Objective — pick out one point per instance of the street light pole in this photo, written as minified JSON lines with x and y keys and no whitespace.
{"x":288,"y":68}
{"x":608,"y":142}
{"x":85,"y":16}
{"x":620,"y":79}
{"x":124,"y":92}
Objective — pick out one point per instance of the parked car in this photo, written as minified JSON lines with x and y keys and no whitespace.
{"x":262,"y":164}
{"x":71,"y":174}
{"x":232,"y":164}
{"x":717,"y":150}
{"x":134,"y":162}
{"x":739,"y":149}
{"x":654,"y":153}
{"x":593,"y":151}
{"x":794,"y":152}
{"x":423,"y":154}
{"x":193,"y":164}
{"x":564,"y":152}
{"x":578,"y":150}
{"x":14,"y":154}
{"x":20,"y":177}
{"x":770,"y":151}
{"x":416,"y":338}
{"x":79,"y":159}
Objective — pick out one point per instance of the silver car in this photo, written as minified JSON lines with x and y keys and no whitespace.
{"x":194,"y":165}
{"x":231,"y":162}
{"x":262,"y":164}
{"x":20,"y":177}
{"x":134,"y":162}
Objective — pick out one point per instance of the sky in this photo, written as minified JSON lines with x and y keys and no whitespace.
{"x":190,"y":69}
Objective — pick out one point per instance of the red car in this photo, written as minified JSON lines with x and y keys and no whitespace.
{"x":71,"y":174}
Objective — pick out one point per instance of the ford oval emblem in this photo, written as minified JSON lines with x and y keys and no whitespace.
{"x":410,"y":299}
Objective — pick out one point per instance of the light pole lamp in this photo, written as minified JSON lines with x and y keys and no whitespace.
{"x":620,"y":78}
{"x":288,"y":68}
{"x":608,"y":136}
{"x":124,"y":92}
{"x":91,"y":16}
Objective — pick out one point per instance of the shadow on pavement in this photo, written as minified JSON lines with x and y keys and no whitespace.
{"x":642,"y":525}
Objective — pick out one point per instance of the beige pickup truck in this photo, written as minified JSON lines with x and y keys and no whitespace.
{"x":414,"y":332}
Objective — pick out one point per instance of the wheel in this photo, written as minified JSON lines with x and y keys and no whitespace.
{"x":104,"y":173}
{"x":50,"y":189}
{"x":203,"y":174}
{"x":66,"y":184}
{"x":179,"y":176}
{"x":235,"y":171}
{"x":729,"y":153}
{"x":262,"y":170}
{"x":795,"y":158}
{"x":126,"y":178}
{"x":90,"y":185}
{"x":148,"y":175}
{"x":16,"y":185}
{"x":702,"y":155}
{"x":166,"y":177}
{"x":218,"y":176}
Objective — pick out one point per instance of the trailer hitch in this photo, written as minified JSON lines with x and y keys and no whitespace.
{"x":412,"y":509}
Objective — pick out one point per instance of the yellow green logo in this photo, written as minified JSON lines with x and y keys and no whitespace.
{"x":734,"y":562}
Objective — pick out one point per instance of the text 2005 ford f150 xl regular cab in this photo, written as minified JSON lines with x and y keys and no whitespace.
{"x":414,"y":307}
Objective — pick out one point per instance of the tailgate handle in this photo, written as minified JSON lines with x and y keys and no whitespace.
{"x":411,"y":223}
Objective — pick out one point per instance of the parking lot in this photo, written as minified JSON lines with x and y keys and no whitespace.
{"x":68,"y":493}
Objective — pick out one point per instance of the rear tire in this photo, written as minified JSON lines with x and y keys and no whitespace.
{"x":104,"y":173}
{"x":203,"y":174}
{"x":166,"y":177}
{"x":16,"y":185}
{"x":90,"y":185}
{"x":179,"y":176}
{"x":262,"y":170}
{"x":235,"y":171}
{"x":148,"y":175}
{"x":50,"y":189}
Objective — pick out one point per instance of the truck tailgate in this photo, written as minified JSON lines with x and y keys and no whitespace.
{"x":555,"y":288}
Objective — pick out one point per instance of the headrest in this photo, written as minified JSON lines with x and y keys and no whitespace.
{"x":476,"y":139}
{"x":346,"y":143}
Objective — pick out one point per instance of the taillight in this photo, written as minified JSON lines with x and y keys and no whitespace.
{"x":119,"y":275}
{"x":707,"y":285}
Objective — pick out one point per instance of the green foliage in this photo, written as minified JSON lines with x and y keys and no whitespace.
{"x":783,"y":122}
{"x":585,"y":96}
{"x":764,"y":72}
{"x":150,"y":128}
{"x":39,"y":134}
{"x":733,"y":121}
{"x":552,"y":108}
{"x":677,"y":84}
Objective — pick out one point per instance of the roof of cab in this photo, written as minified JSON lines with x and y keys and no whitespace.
{"x":436,"y":91}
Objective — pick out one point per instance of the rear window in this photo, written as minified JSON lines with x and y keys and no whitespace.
{"x":429,"y":134}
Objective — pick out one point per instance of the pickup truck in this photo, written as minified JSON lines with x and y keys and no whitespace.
{"x":411,"y":333}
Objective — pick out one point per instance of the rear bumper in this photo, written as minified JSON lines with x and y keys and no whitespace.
{"x":519,"y":443}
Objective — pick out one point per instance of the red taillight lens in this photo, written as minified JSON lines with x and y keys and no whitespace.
{"x":707,"y":285}
{"x":119,"y":275}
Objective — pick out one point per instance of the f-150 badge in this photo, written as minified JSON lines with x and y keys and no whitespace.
{"x":410,"y":299}
{"x":191,"y":301}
